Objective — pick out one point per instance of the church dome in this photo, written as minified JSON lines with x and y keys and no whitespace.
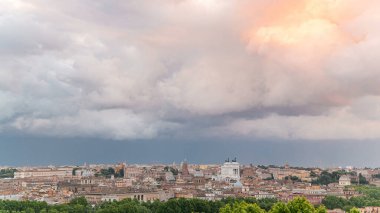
{"x":238,"y":184}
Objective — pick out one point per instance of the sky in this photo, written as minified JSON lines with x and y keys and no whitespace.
{"x":268,"y":81}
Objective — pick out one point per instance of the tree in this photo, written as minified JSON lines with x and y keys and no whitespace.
{"x":29,"y":210}
{"x":75,"y":169}
{"x":300,"y":204}
{"x":321,"y":209}
{"x":362,"y":179}
{"x":174,"y":171}
{"x":313,"y":174}
{"x":106,"y":172}
{"x":241,"y":207}
{"x":119,"y":173}
{"x":226,"y":209}
{"x":354,"y":210}
{"x":7,"y":173}
{"x":293,"y":178}
{"x":79,"y":201}
{"x":266,"y":203}
{"x":254,"y":208}
{"x":279,"y":207}
{"x":332,"y":202}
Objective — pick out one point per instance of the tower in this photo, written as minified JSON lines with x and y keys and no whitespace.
{"x":185,"y":169}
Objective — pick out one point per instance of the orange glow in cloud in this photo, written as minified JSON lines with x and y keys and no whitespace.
{"x":303,"y":26}
{"x":297,"y":34}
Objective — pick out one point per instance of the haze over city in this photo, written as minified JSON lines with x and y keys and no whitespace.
{"x":270,"y":82}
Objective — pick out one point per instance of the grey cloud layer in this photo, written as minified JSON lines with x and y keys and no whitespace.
{"x":141,"y":69}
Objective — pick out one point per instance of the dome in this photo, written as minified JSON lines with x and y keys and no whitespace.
{"x":238,"y":184}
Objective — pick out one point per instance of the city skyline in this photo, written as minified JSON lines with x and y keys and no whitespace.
{"x":73,"y":152}
{"x":266,"y":81}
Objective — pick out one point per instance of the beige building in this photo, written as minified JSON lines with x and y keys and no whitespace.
{"x":132,"y":172}
{"x":281,"y":174}
{"x":370,"y":209}
{"x":344,"y":180}
{"x":123,"y":182}
{"x":140,"y":196}
{"x":44,"y":172}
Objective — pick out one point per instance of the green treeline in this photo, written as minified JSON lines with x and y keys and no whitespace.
{"x":7,"y":173}
{"x":371,"y":197}
{"x":326,"y":178}
{"x":229,"y":205}
{"x":107,"y":173}
{"x":298,"y":204}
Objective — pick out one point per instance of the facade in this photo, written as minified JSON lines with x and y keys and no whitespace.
{"x":264,"y":195}
{"x":140,"y":196}
{"x":11,"y":197}
{"x":84,"y":173}
{"x":123,"y":182}
{"x":132,"y":172}
{"x":344,"y":180}
{"x":185,"y":169}
{"x":281,"y":174}
{"x":230,"y":171}
{"x":44,"y":172}
{"x":370,"y":209}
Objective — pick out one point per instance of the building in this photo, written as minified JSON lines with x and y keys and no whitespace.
{"x":15,"y":197}
{"x":140,"y":196}
{"x":123,"y":182}
{"x":44,"y":173}
{"x":336,"y":211}
{"x":230,"y":171}
{"x":282,"y":174}
{"x":185,"y":169}
{"x":84,"y":172}
{"x":370,"y":209}
{"x":344,"y":180}
{"x":264,"y":195}
{"x":132,"y":172}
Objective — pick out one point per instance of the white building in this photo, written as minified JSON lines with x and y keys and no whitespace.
{"x":169,"y":176}
{"x":344,"y":180}
{"x":44,"y":173}
{"x":85,"y":173}
{"x":11,"y":197}
{"x":264,"y":195}
{"x":230,"y":171}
